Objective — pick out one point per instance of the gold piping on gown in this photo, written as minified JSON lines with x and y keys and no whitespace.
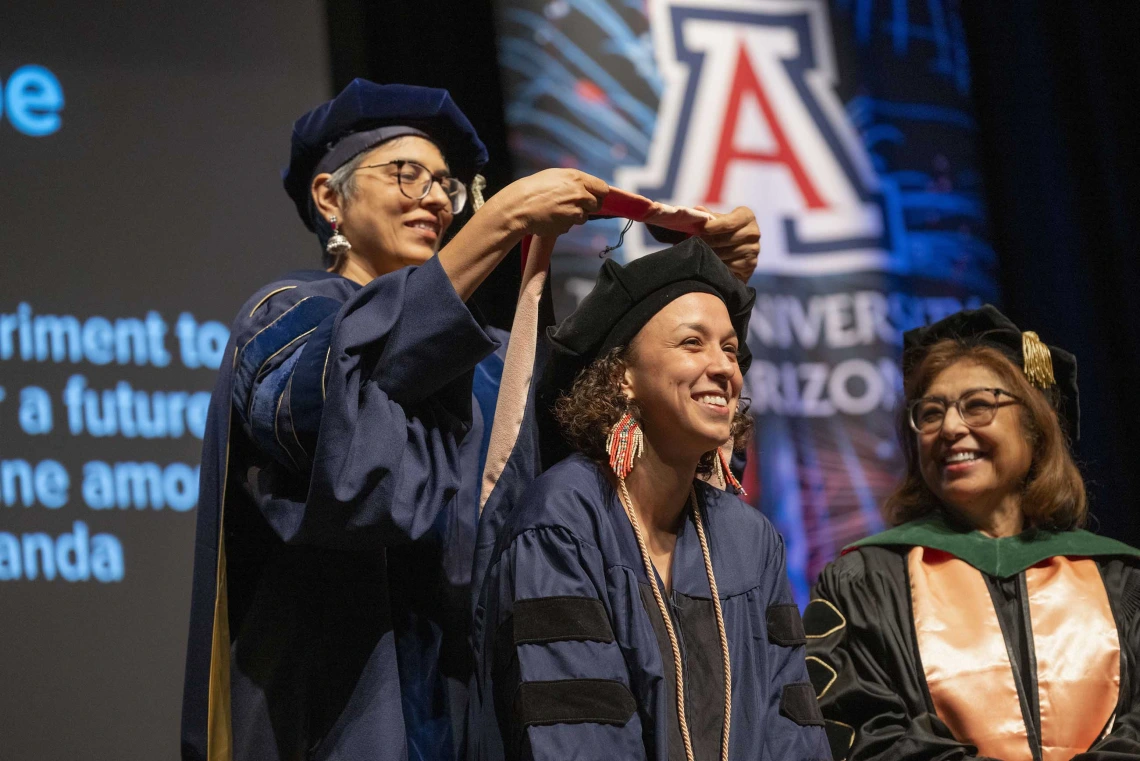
{"x":219,"y":719}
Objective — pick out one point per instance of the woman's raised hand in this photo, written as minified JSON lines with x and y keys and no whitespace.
{"x":549,"y":202}
{"x":735,"y":237}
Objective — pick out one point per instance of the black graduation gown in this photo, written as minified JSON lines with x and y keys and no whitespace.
{"x":572,"y":658}
{"x":339,"y":470}
{"x":867,"y":665}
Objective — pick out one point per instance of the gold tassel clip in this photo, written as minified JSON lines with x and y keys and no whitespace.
{"x":1038,"y":362}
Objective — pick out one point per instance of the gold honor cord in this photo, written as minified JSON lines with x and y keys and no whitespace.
{"x":678,"y":667}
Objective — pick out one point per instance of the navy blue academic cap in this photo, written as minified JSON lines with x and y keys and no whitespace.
{"x":365,"y":106}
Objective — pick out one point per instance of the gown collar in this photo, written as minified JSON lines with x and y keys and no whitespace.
{"x":1001,"y":558}
{"x":688,"y":565}
{"x":689,"y":577}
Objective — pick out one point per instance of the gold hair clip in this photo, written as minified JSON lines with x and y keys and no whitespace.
{"x":1037,"y":362}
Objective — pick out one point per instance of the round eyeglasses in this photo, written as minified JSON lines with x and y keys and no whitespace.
{"x":977,"y":407}
{"x":415,"y":181}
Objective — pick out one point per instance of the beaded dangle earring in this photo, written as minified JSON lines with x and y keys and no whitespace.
{"x":338,"y":245}
{"x":624,"y":444}
{"x":723,"y":472}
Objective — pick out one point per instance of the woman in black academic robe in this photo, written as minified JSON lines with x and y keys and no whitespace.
{"x":986,"y":624}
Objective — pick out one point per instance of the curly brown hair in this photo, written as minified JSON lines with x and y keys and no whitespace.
{"x":595,"y":403}
{"x":1053,"y":495}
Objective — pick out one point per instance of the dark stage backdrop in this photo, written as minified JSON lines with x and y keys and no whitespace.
{"x":1055,"y":88}
{"x":140,"y":146}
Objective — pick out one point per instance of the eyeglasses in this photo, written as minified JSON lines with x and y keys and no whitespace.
{"x":977,"y":407}
{"x":415,"y":182}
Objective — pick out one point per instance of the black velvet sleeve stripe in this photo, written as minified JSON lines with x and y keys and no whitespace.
{"x":575,"y":701}
{"x":821,"y":675}
{"x":822,"y":619}
{"x":840,"y":737}
{"x":785,"y":626}
{"x":798,"y":703}
{"x":554,"y":619}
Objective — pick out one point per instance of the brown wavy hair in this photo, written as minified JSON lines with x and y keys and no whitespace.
{"x":595,"y":403}
{"x":1053,"y":495}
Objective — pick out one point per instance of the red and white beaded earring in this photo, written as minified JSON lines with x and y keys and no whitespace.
{"x":723,"y":472}
{"x":624,"y":444}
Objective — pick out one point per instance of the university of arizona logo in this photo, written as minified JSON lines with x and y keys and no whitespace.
{"x":749,"y":115}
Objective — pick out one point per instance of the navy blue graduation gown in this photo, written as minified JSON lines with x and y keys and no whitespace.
{"x":341,"y":468}
{"x":572,"y":660}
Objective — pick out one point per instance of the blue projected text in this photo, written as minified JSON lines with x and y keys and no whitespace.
{"x":32,"y":100}
{"x":62,"y":405}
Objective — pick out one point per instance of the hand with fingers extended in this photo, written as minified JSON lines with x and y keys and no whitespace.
{"x":549,"y":202}
{"x":735,"y":237}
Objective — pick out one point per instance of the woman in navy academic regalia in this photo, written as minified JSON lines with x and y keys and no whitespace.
{"x":330,"y":615}
{"x":632,"y":610}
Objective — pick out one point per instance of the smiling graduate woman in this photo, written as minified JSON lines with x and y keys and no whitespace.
{"x":986,"y":624}
{"x":632,"y":610}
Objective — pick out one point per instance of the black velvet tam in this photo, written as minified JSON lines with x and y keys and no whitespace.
{"x":624,"y":299}
{"x":989,"y":327}
{"x":365,"y":106}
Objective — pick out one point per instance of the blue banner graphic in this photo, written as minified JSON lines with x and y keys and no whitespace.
{"x":846,"y":126}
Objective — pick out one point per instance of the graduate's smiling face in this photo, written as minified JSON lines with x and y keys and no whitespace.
{"x":975,"y":471}
{"x":684,"y":376}
{"x":382,"y":224}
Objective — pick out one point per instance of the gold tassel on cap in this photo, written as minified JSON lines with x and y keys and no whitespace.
{"x":478,"y":185}
{"x":1038,"y":362}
